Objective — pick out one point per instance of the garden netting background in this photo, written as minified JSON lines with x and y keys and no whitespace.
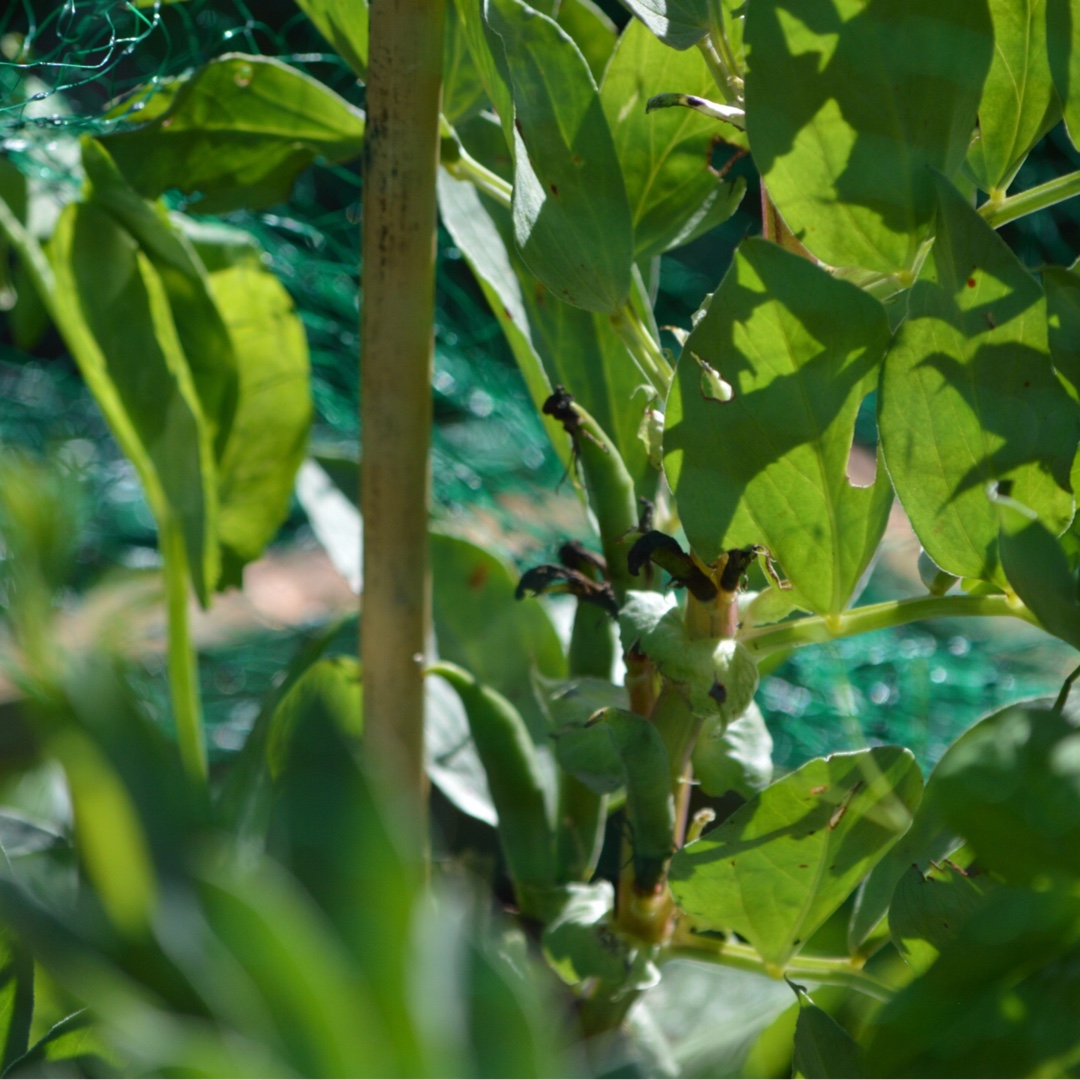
{"x":64,"y":65}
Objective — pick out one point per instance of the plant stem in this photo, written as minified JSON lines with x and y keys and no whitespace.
{"x":827,"y":970}
{"x":399,"y":246}
{"x":998,"y":212}
{"x":463,"y":166}
{"x":182,"y":666}
{"x":647,"y":354}
{"x":815,"y":629}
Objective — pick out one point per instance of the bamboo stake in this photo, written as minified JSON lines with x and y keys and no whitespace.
{"x":397,"y":341}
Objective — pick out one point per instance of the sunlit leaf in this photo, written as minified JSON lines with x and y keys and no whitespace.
{"x":801,"y":350}
{"x":344,"y":23}
{"x":850,"y":105}
{"x":782,"y":864}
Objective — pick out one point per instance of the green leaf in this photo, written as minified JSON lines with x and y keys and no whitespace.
{"x":200,"y":323}
{"x":801,"y":350}
{"x":572,"y":701}
{"x":479,"y":625}
{"x":16,"y":994}
{"x":822,"y":1047}
{"x":344,"y":23}
{"x":492,"y":72}
{"x":1019,"y":103}
{"x":1010,"y":789}
{"x":113,"y":310}
{"x":736,"y":757}
{"x":850,"y":105}
{"x":1038,"y":569}
{"x":928,"y":910}
{"x":666,"y":156}
{"x":553,"y":342}
{"x":571,"y":216}
{"x":593,"y":33}
{"x":782,"y":864}
{"x":1063,"y":41}
{"x":237,"y":133}
{"x":1063,"y":320}
{"x":72,"y":1047}
{"x":677,"y":23}
{"x":969,"y":398}
{"x":579,"y":943}
{"x":1000,"y":1000}
{"x":463,"y":88}
{"x":268,"y":438}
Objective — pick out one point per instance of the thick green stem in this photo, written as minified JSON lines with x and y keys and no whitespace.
{"x":182,"y":665}
{"x":998,"y":212}
{"x":815,"y":629}
{"x":399,"y":244}
{"x":461,"y":165}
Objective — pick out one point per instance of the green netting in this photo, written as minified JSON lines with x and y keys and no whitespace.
{"x":63,"y":65}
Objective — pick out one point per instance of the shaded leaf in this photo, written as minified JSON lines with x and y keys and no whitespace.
{"x":1010,"y":789}
{"x":593,"y":33}
{"x":823,"y":1048}
{"x":800,"y":350}
{"x":1063,"y":41}
{"x":969,"y":397}
{"x":850,"y":105}
{"x":666,"y":157}
{"x":463,"y":89}
{"x":928,"y":910}
{"x":1063,"y":319}
{"x":237,"y":133}
{"x":72,"y":1047}
{"x":571,"y":216}
{"x":783,"y":863}
{"x":677,"y":23}
{"x":736,"y":757}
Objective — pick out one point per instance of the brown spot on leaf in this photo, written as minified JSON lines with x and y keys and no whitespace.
{"x":478,"y":577}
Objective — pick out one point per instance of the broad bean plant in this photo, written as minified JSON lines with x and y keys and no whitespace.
{"x":875,"y":921}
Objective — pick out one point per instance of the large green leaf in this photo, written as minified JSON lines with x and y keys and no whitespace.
{"x":344,"y":23}
{"x":801,"y":350}
{"x":74,"y":1047}
{"x":571,"y":215}
{"x":969,"y":397}
{"x":1001,"y":1000}
{"x":1011,"y":790}
{"x":734,"y":757}
{"x":237,"y":133}
{"x":553,"y":342}
{"x":1063,"y":41}
{"x":479,"y":625}
{"x":268,"y":438}
{"x":463,"y":88}
{"x":593,"y":32}
{"x":1019,"y":103}
{"x":822,"y":1047}
{"x":1063,"y":315}
{"x":113,"y":310}
{"x":928,"y":910}
{"x":851,"y":104}
{"x":677,"y":23}
{"x":782,"y":864}
{"x":666,"y":156}
{"x":16,"y":992}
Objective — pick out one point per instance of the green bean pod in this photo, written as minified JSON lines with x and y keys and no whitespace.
{"x":513,"y":772}
{"x":611,"y":495}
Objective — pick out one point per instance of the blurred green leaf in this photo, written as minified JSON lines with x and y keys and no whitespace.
{"x":72,"y":1047}
{"x":483,"y":628}
{"x":782,"y":864}
{"x":1063,"y":318}
{"x":928,"y":910}
{"x":463,"y":88}
{"x":666,"y":156}
{"x":113,"y":310}
{"x":801,"y":350}
{"x":268,"y":438}
{"x":16,"y":997}
{"x":736,"y":757}
{"x":1010,"y":788}
{"x":1000,"y":1000}
{"x":1019,"y":103}
{"x":851,"y":105}
{"x":969,"y":397}
{"x":571,"y":216}
{"x":823,"y":1048}
{"x":344,"y":23}
{"x":237,"y":133}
